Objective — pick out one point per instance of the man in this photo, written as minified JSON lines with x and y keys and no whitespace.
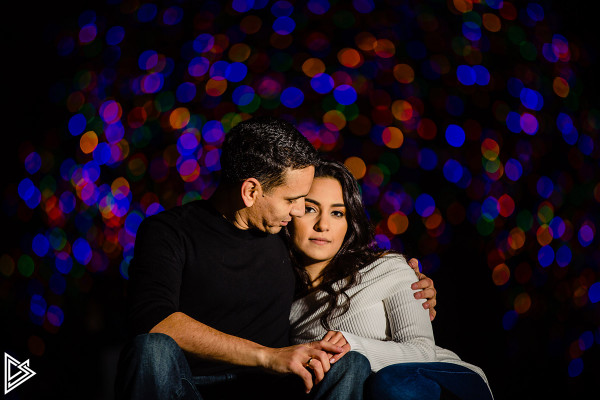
{"x":211,"y":286}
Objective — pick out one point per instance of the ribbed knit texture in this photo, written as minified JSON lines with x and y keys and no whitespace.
{"x":385,"y":322}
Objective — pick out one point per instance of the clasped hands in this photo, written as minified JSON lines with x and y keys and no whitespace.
{"x":313,"y":356}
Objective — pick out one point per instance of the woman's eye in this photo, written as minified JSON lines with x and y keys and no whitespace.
{"x":339,"y":214}
{"x":309,"y":210}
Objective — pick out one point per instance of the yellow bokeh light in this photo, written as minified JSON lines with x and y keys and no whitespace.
{"x":356,"y":166}
{"x":522,"y":303}
{"x":491,"y":22}
{"x":350,"y":58}
{"x":500,"y":274}
{"x":516,"y":238}
{"x":88,"y":142}
{"x":384,"y":48}
{"x":560,"y":86}
{"x":334,"y":120}
{"x":239,"y":52}
{"x":402,"y":110}
{"x":216,"y":87}
{"x":179,"y":118}
{"x":392,"y":137}
{"x":397,"y":223}
{"x":313,"y":66}
{"x":463,"y":5}
{"x":120,"y":187}
{"x":365,"y":41}
{"x":404,"y":73}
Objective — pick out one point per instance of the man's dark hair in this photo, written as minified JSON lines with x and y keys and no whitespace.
{"x":264,"y":148}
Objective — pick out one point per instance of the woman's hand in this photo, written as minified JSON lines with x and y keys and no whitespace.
{"x":299,"y":358}
{"x":427,"y":290}
{"x":338,"y":339}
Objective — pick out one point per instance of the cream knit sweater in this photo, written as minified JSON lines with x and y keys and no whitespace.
{"x":385,"y":322}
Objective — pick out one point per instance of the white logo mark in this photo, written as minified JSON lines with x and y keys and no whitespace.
{"x":23,"y":373}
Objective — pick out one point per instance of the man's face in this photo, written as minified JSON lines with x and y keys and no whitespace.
{"x":273,"y":210}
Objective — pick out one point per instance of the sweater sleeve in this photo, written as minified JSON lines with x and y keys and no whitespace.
{"x":155,"y":275}
{"x":408,"y":322}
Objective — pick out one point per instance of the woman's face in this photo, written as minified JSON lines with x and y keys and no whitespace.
{"x":320,"y":232}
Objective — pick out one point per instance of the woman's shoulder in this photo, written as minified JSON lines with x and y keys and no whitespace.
{"x":387,"y":265}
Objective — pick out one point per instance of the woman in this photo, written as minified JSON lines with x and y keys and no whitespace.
{"x":348,"y":285}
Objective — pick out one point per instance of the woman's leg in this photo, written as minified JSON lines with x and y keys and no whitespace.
{"x":345,"y":379}
{"x":427,"y":381}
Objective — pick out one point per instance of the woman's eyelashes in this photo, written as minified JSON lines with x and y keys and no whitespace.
{"x":339,"y":214}
{"x":309,"y":209}
{"x":335,"y":213}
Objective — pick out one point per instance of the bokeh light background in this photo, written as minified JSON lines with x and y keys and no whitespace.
{"x":471,"y":125}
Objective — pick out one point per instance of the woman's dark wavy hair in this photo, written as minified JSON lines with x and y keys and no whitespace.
{"x":264,"y":148}
{"x":357,"y":251}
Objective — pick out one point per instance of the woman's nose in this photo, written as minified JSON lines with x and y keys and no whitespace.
{"x":322,"y":224}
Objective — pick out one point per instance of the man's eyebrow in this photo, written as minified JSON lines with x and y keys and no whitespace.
{"x":296,"y":198}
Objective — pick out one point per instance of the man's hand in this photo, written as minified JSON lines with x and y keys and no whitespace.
{"x":338,"y":339}
{"x":296,"y":360}
{"x":426,"y":284}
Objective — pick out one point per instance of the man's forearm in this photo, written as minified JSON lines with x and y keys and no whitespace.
{"x":200,"y":340}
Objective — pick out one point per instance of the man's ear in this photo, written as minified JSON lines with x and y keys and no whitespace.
{"x":250,"y":191}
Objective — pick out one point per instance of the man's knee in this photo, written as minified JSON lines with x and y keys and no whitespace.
{"x":155,"y":349}
{"x":151,"y":366}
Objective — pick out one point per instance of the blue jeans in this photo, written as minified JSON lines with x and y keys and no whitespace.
{"x":425,"y":381}
{"x":153,"y":366}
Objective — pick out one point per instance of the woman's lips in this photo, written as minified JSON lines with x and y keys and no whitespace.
{"x":320,"y":241}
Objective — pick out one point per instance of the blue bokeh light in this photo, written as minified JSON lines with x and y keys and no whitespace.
{"x":292,"y":97}
{"x":284,"y":25}
{"x":594,"y":292}
{"x":425,"y":205}
{"x":345,"y":94}
{"x":513,"y":169}
{"x":455,"y":135}
{"x":40,"y":245}
{"x":545,"y":256}
{"x":243,"y":95}
{"x":453,"y":171}
{"x":77,"y":124}
{"x":322,"y":83}
{"x":82,"y":251}
{"x":466,"y":75}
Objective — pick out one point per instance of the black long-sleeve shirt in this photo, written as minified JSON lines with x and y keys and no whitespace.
{"x":191,"y":259}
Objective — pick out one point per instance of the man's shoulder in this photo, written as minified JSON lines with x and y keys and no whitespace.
{"x":178,"y":217}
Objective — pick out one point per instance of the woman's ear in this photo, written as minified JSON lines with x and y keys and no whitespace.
{"x":250,"y":191}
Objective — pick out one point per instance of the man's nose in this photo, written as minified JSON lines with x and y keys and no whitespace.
{"x":298,"y":208}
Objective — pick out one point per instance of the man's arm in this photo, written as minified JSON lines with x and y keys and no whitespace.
{"x":428,"y":291}
{"x":153,"y":302}
{"x":200,"y":340}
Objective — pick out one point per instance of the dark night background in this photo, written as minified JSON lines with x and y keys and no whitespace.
{"x":80,"y":360}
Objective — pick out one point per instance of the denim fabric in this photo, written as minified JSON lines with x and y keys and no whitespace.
{"x":426,"y":381}
{"x":153,"y":366}
{"x":345,"y":380}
